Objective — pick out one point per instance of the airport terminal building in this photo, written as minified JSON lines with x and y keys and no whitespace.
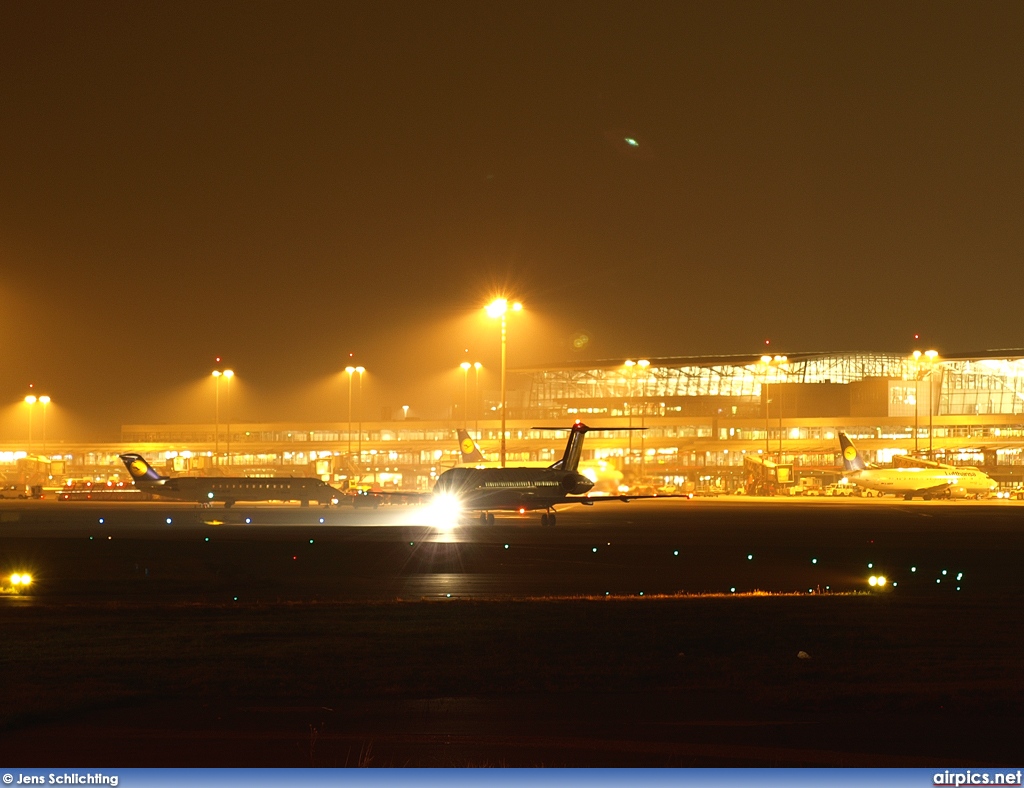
{"x":704,"y":417}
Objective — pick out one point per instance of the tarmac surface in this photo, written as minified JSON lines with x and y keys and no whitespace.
{"x":662,"y":633}
{"x":657,"y":547}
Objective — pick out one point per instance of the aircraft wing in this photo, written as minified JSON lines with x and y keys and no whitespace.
{"x":937,"y":488}
{"x":590,"y":500}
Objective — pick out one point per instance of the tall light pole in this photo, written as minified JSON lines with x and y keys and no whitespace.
{"x":917,"y":377}
{"x":466,"y":366}
{"x":643,"y":364}
{"x":923,"y":365}
{"x":770,"y":362}
{"x":359,"y":411}
{"x":932,"y":356}
{"x":228,"y":374}
{"x":476,"y":396}
{"x":499,"y":308}
{"x":630,"y":365}
{"x":30,"y":400}
{"x":44,"y":400}
{"x":217,"y":374}
{"x":349,"y":370}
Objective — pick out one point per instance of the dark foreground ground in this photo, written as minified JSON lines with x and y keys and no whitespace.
{"x":348,"y":651}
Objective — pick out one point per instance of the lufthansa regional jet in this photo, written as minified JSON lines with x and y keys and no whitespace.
{"x":227,"y":489}
{"x":929,"y":480}
{"x":487,"y":490}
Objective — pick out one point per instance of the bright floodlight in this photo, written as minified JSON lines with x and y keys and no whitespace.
{"x":228,"y":373}
{"x":44,"y":399}
{"x":350,"y":370}
{"x":643,"y":363}
{"x":31,"y":399}
{"x":15,"y":579}
{"x":517,"y":307}
{"x":766,"y":359}
{"x":872,"y":581}
{"x":497,"y":307}
{"x":216,"y":373}
{"x":465,"y":365}
{"x":360,"y":370}
{"x":477,"y":365}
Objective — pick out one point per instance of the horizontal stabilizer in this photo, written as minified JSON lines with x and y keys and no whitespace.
{"x":585,"y":428}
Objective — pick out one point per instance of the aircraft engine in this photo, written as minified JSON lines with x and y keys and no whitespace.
{"x":576,"y":484}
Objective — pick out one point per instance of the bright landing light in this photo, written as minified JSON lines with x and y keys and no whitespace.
{"x":443,"y":511}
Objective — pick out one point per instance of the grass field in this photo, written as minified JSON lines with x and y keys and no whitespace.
{"x":888,"y":680}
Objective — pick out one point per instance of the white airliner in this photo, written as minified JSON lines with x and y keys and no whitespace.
{"x":930,"y":480}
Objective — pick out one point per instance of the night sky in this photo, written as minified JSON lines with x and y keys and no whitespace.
{"x":284,"y":184}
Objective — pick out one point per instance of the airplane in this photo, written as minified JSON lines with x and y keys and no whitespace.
{"x":606,"y":478}
{"x":227,"y":488}
{"x":487,"y":490}
{"x":927,"y":480}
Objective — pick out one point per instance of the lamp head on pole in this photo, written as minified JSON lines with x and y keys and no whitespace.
{"x":216,"y":373}
{"x":477,"y":365}
{"x":44,"y":399}
{"x":31,"y":399}
{"x":497,"y":307}
{"x":350,"y":370}
{"x":501,"y":306}
{"x":465,"y":365}
{"x":229,"y":374}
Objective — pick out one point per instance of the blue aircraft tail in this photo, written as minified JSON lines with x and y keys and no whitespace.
{"x":852,"y":461}
{"x":140,"y":470}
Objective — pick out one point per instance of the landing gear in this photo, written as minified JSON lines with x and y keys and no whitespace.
{"x":547,"y":519}
{"x":908,"y":497}
{"x":483,"y":518}
{"x":228,"y":504}
{"x":544,"y":520}
{"x":490,"y":518}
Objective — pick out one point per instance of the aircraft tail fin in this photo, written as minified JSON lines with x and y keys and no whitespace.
{"x":574,"y":446}
{"x":852,"y":461}
{"x":470,"y":451}
{"x":140,"y":470}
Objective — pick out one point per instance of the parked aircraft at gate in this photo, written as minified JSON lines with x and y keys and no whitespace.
{"x":932,"y":480}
